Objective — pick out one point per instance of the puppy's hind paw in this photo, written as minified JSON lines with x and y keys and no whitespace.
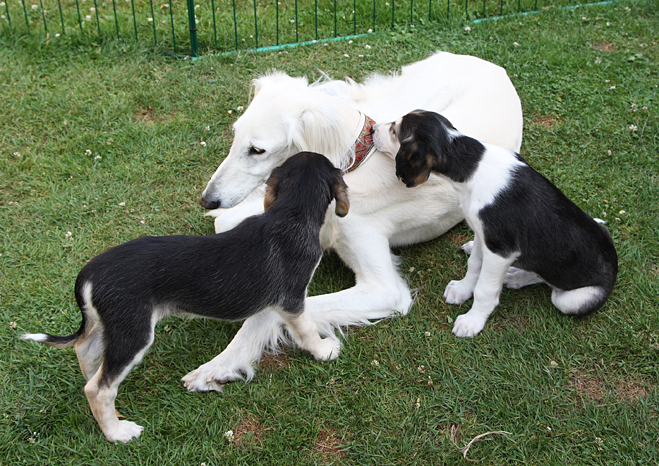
{"x":457,"y":292}
{"x":327,"y":350}
{"x":468,"y":325}
{"x":124,"y":432}
{"x":468,"y":247}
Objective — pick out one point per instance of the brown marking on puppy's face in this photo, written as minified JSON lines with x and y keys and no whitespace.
{"x":271,"y":189}
{"x":413,"y":161}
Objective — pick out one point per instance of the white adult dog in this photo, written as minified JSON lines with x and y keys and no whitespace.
{"x":287,"y":115}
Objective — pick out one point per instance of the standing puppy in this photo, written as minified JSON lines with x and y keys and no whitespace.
{"x":518,"y":216}
{"x":267,"y":261}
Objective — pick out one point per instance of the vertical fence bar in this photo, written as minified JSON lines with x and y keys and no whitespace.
{"x":297,"y":29}
{"x":334,"y":18}
{"x":501,"y":9}
{"x":429,"y":10}
{"x":466,"y":9}
{"x":277,"y":15}
{"x":412,"y":12}
{"x":27,"y":24}
{"x":536,"y":5}
{"x":171,"y":19}
{"x":373,"y":16}
{"x":214,"y":25}
{"x":98,"y":23}
{"x":483,"y":8}
{"x":79,"y":18}
{"x":519,"y":5}
{"x":235,"y":24}
{"x":192,"y":25}
{"x":43,"y":15}
{"x":316,"y":17}
{"x":393,"y":12}
{"x":448,"y":9}
{"x":354,"y":16}
{"x":256,"y":27}
{"x":153,"y":22}
{"x":132,"y":3}
{"x":116,"y":22}
{"x":9,"y":17}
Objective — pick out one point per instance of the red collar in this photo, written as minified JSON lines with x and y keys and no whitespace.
{"x":363,"y":147}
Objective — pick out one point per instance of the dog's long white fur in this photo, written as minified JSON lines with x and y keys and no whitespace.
{"x":288,"y":115}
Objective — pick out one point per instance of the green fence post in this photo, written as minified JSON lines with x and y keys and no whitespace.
{"x":116,"y":22}
{"x":214,"y":25}
{"x":98,"y":23}
{"x":297,"y":30}
{"x":132,"y":3}
{"x":153,"y":23}
{"x":43,"y":15}
{"x":193,"y":28}
{"x":9,"y":17}
{"x":27,"y":24}
{"x":171,"y":19}
{"x":235,"y":24}
{"x":256,"y":27}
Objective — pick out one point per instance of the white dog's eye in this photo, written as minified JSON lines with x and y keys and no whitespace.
{"x":256,"y":150}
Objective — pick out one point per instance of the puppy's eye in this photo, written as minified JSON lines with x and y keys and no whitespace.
{"x":256,"y":150}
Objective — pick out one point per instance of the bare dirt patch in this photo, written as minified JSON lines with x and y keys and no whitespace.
{"x":603,"y":46}
{"x":274,"y":362}
{"x":148,"y":116}
{"x":546,"y":121}
{"x":587,"y":385}
{"x":329,"y":444}
{"x":630,"y":389}
{"x":248,"y":431}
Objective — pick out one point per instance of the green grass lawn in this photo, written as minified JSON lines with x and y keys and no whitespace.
{"x":99,"y":145}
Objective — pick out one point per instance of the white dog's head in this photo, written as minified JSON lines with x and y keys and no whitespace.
{"x":285,"y":117}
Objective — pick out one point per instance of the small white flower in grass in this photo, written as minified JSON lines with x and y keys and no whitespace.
{"x":634,"y":108}
{"x":612,"y":87}
{"x":633,"y":128}
{"x":360,"y":56}
{"x":370,"y":31}
{"x":12,"y":325}
{"x":516,"y":44}
{"x":608,"y":152}
{"x":628,"y":9}
{"x":122,"y":203}
{"x":553,"y":364}
{"x":375,"y":362}
{"x":292,"y":21}
{"x":608,"y":24}
{"x":229,"y":435}
{"x":427,"y":334}
{"x":98,"y":157}
{"x":622,"y":212}
{"x":150,"y":20}
{"x":203,"y":143}
{"x":57,"y":35}
{"x":196,"y":21}
{"x":142,"y":222}
{"x":645,"y":108}
{"x":2,"y":16}
{"x":92,"y":9}
{"x":367,"y":46}
{"x":346,"y":55}
{"x":584,"y":18}
{"x":240,"y":108}
{"x":34,"y":7}
{"x":349,"y":42}
{"x":2,"y":3}
{"x":607,"y":80}
{"x":598,"y":61}
{"x":467,"y":29}
{"x":230,"y":112}
{"x":196,"y":6}
{"x":325,"y":44}
{"x":387,"y":3}
{"x":418,"y":403}
{"x":17,"y":154}
{"x":549,"y":431}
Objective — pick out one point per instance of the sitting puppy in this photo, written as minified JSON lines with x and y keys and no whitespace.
{"x":518,"y":216}
{"x":267,"y":261}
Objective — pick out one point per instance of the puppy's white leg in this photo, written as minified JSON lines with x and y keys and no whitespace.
{"x":457,"y":292}
{"x":518,"y":278}
{"x":258,"y":333}
{"x":486,"y":294}
{"x":305,"y":333}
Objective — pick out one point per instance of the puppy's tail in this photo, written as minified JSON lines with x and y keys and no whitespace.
{"x":55,"y":340}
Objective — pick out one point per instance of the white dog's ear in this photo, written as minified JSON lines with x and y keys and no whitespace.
{"x":322,"y":130}
{"x":277,"y":77}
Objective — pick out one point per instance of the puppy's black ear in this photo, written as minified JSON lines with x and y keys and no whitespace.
{"x":340,"y":193}
{"x":271,"y":189}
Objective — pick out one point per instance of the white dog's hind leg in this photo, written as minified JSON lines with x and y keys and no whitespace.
{"x":486,"y":294}
{"x":258,"y":333}
{"x":457,"y":292}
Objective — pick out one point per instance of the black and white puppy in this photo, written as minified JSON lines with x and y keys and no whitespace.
{"x":267,"y":261}
{"x":519,"y":219}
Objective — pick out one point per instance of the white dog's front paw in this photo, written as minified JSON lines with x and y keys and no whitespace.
{"x":213,"y":376}
{"x":327,"y":350}
{"x":468,"y":247}
{"x":457,"y":292}
{"x":124,"y":432}
{"x":518,"y":278}
{"x":468,"y":325}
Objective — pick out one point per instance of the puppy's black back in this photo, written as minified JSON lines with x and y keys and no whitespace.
{"x":555,"y":238}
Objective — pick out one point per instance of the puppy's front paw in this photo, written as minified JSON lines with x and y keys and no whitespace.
{"x":468,"y":325}
{"x":124,"y":432}
{"x":327,"y":350}
{"x":457,"y":292}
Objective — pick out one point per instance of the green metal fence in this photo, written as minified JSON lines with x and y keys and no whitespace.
{"x":194,"y":26}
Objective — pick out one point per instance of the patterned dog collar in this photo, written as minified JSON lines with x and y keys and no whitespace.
{"x":363,"y":147}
